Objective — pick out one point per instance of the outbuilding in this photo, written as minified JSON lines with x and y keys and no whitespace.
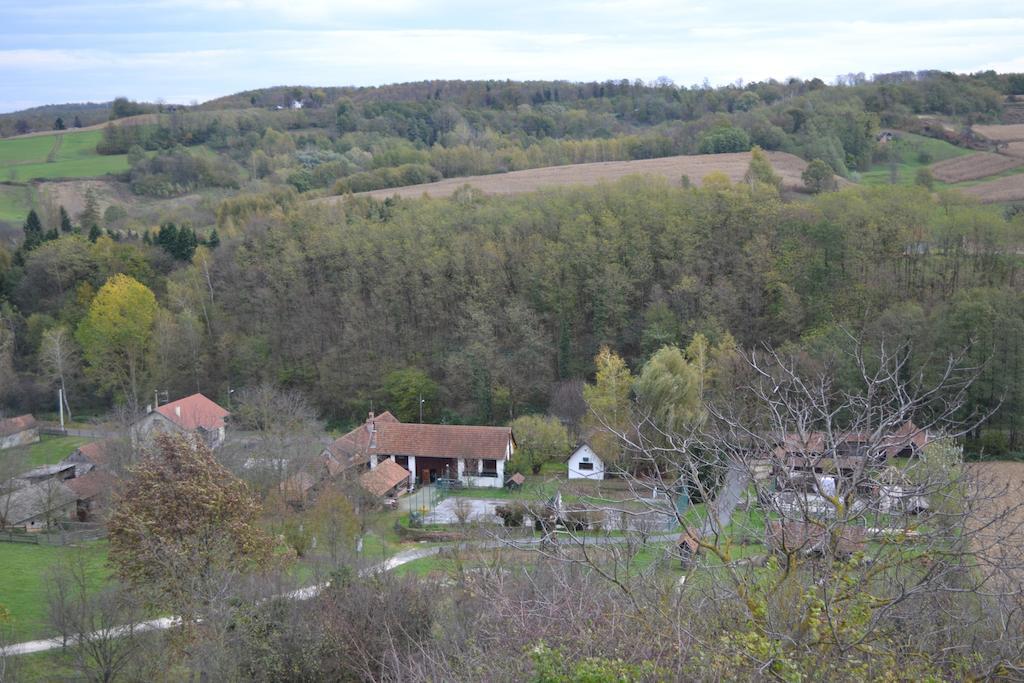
{"x":18,"y":431}
{"x":584,"y":463}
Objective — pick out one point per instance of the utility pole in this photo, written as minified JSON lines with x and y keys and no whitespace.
{"x":421,"y":408}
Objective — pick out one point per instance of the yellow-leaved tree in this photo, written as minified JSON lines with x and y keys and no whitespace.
{"x":608,"y":400}
{"x":116,"y":336}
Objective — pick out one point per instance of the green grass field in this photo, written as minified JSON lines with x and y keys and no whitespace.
{"x":26,"y":150}
{"x":24,"y":578}
{"x":15,"y":202}
{"x":909,"y":148}
{"x":73,"y":156}
{"x":52,"y":449}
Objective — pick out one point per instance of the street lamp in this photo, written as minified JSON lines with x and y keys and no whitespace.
{"x":422,"y":401}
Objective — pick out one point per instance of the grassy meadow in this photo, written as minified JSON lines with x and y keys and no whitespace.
{"x":15,"y":202}
{"x":61,"y":155}
{"x":23,"y":580}
{"x":913,"y":152}
{"x":52,"y":449}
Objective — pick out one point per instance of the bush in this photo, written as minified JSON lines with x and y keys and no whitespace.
{"x":511,"y":513}
{"x":178,"y":172}
{"x":924,"y":178}
{"x":723,"y":140}
{"x":397,"y":176}
{"x":818,"y":177}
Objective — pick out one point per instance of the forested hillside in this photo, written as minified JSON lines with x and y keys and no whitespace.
{"x":498,"y":299}
{"x":492,"y":302}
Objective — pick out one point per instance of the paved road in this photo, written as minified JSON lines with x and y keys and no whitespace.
{"x":736,"y":481}
{"x":308,"y":592}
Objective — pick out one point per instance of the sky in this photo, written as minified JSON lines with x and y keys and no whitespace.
{"x":56,"y":51}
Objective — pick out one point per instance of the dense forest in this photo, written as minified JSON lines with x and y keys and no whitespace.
{"x":496,"y":301}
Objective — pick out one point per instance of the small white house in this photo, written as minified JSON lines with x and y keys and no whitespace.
{"x":584,"y":463}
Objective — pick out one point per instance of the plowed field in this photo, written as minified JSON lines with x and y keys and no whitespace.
{"x":973,"y":166}
{"x":1014,"y":131}
{"x":696,"y":167}
{"x":1008,"y":189}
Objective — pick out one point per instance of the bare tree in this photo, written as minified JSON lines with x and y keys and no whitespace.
{"x":836,"y":565}
{"x":100,"y":625}
{"x":568,"y":405}
{"x":13,"y":462}
{"x":59,"y":359}
{"x":285,"y":434}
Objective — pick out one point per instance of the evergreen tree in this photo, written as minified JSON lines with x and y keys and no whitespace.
{"x":59,"y":124}
{"x":147,"y":238}
{"x":91,"y":214}
{"x":95,"y":233}
{"x":185,"y":245}
{"x":214,"y":241}
{"x":33,"y":231}
{"x":78,"y":122}
{"x":65,"y":221}
{"x":51,"y":235}
{"x":167,"y":238}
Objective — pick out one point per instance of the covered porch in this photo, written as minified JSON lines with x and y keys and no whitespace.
{"x":475,"y":472}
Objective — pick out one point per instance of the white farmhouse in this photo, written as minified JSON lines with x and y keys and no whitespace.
{"x":584,"y":463}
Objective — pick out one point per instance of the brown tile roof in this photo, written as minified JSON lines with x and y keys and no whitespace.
{"x":815,"y":443}
{"x":13,"y":425}
{"x":352,"y":448}
{"x":92,"y":484}
{"x":95,"y":452}
{"x":295,"y":487}
{"x":384,"y":477}
{"x":442,"y":441}
{"x":193,"y":412}
{"x":691,"y":539}
{"x":804,"y":537}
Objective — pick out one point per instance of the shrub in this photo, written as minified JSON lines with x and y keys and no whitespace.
{"x":725,"y":139}
{"x":818,"y":177}
{"x":511,"y":513}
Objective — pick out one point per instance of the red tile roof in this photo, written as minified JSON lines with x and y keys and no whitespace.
{"x":13,"y":425}
{"x":442,"y":441}
{"x":193,"y":412}
{"x":95,"y":452}
{"x":351,"y":449}
{"x":92,"y":484}
{"x":384,"y":477}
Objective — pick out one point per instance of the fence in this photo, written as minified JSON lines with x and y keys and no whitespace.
{"x":73,"y":533}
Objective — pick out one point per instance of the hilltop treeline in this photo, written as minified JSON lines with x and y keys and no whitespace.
{"x":497,"y":300}
{"x":351,"y":140}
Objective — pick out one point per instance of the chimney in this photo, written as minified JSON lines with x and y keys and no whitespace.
{"x":370,"y":418}
{"x":149,"y":408}
{"x":177,"y":410}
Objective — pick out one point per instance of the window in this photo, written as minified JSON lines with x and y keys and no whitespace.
{"x":585,"y":464}
{"x":490,"y":468}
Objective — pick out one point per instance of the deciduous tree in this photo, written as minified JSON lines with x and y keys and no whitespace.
{"x":539,"y":439}
{"x":182,"y":523}
{"x":116,"y":335}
